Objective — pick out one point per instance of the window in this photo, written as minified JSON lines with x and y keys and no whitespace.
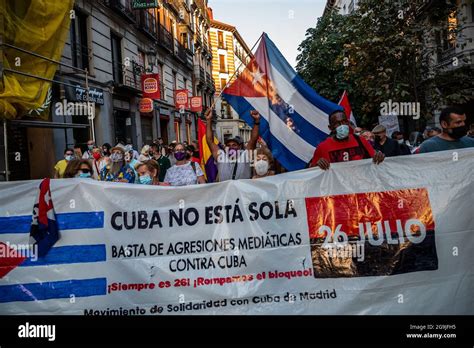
{"x":175,"y":82}
{"x":184,"y":40}
{"x":185,"y":83}
{"x":223,"y":83}
{"x":188,"y":132}
{"x":452,"y":27}
{"x":222,"y":63}
{"x":162,"y":81}
{"x":220,"y":39}
{"x":79,"y":47}
{"x":141,"y":59}
{"x":177,"y":127}
{"x":116,"y":49}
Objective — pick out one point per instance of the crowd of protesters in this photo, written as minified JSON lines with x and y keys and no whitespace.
{"x":178,"y":164}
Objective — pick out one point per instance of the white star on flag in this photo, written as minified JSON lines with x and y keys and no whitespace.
{"x":47,"y":198}
{"x":257,"y":76}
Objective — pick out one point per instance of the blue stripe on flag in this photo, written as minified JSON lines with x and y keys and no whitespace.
{"x":279,"y":62}
{"x":50,"y":290}
{"x":279,"y":151}
{"x":306,"y":130}
{"x":66,"y":221}
{"x":70,"y":254}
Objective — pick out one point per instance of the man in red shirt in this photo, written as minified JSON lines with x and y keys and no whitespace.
{"x":342,"y":145}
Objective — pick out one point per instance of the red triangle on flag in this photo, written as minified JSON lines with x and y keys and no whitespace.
{"x":9,"y":259}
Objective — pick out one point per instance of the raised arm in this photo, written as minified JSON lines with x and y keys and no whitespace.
{"x":252,"y":144}
{"x":210,"y":135}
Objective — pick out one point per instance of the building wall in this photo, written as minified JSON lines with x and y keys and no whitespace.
{"x":102,"y":21}
{"x":237,"y":56}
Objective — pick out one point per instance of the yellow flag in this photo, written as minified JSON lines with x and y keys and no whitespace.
{"x":38,"y":26}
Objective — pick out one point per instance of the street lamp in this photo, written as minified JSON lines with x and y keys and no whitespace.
{"x":151,"y":59}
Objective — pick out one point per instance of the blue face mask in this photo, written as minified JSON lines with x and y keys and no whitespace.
{"x":342,"y":132}
{"x":145,"y":180}
{"x":84,"y":175}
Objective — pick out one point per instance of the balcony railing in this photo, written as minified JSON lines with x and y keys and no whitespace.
{"x":198,"y":36}
{"x":165,"y":38}
{"x":124,"y":8}
{"x":147,"y":24}
{"x":128,"y":75}
{"x":180,"y":51}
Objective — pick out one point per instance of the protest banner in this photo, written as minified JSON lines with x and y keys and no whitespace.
{"x":357,"y":239}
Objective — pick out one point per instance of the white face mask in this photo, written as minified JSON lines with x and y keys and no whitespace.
{"x":261,"y":167}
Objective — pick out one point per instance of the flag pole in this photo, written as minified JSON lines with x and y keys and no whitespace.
{"x":235,"y":72}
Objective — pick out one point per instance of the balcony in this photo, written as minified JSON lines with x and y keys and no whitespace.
{"x":197,"y":37}
{"x":127,"y":76}
{"x":165,"y":38}
{"x":180,"y":51}
{"x":190,"y":59}
{"x":147,"y":24}
{"x":199,"y":75}
{"x":123,"y":8}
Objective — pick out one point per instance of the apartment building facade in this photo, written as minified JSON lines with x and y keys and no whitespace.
{"x":231,"y":54}
{"x":116,"y":44}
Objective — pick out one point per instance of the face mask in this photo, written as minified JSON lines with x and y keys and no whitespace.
{"x":342,"y":132}
{"x":84,"y":175}
{"x":261,"y":167}
{"x":116,"y":157}
{"x":145,"y":179}
{"x":69,"y":158}
{"x":90,"y":147}
{"x":458,"y":132}
{"x":96,"y":155}
{"x":180,"y":155}
{"x":378,"y":138}
{"x":400,"y":141}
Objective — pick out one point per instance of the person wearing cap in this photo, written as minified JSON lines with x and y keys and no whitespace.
{"x":234,"y":163}
{"x":117,"y":170}
{"x":342,"y":145}
{"x":389,"y":147}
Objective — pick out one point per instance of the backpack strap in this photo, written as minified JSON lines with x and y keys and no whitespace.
{"x":366,"y":153}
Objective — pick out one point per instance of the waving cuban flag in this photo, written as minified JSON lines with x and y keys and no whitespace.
{"x":44,"y":228}
{"x":294,"y":117}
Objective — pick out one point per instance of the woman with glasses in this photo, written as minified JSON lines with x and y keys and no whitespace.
{"x":80,"y":168}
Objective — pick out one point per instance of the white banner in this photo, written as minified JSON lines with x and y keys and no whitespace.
{"x":397,"y":238}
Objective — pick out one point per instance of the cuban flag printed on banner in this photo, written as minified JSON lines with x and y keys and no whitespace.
{"x":294,"y":117}
{"x":81,"y":243}
{"x":44,"y":228}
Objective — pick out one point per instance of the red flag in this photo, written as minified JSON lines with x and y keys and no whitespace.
{"x":344,"y":102}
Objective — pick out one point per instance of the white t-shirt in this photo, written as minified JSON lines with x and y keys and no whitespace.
{"x":183,"y":175}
